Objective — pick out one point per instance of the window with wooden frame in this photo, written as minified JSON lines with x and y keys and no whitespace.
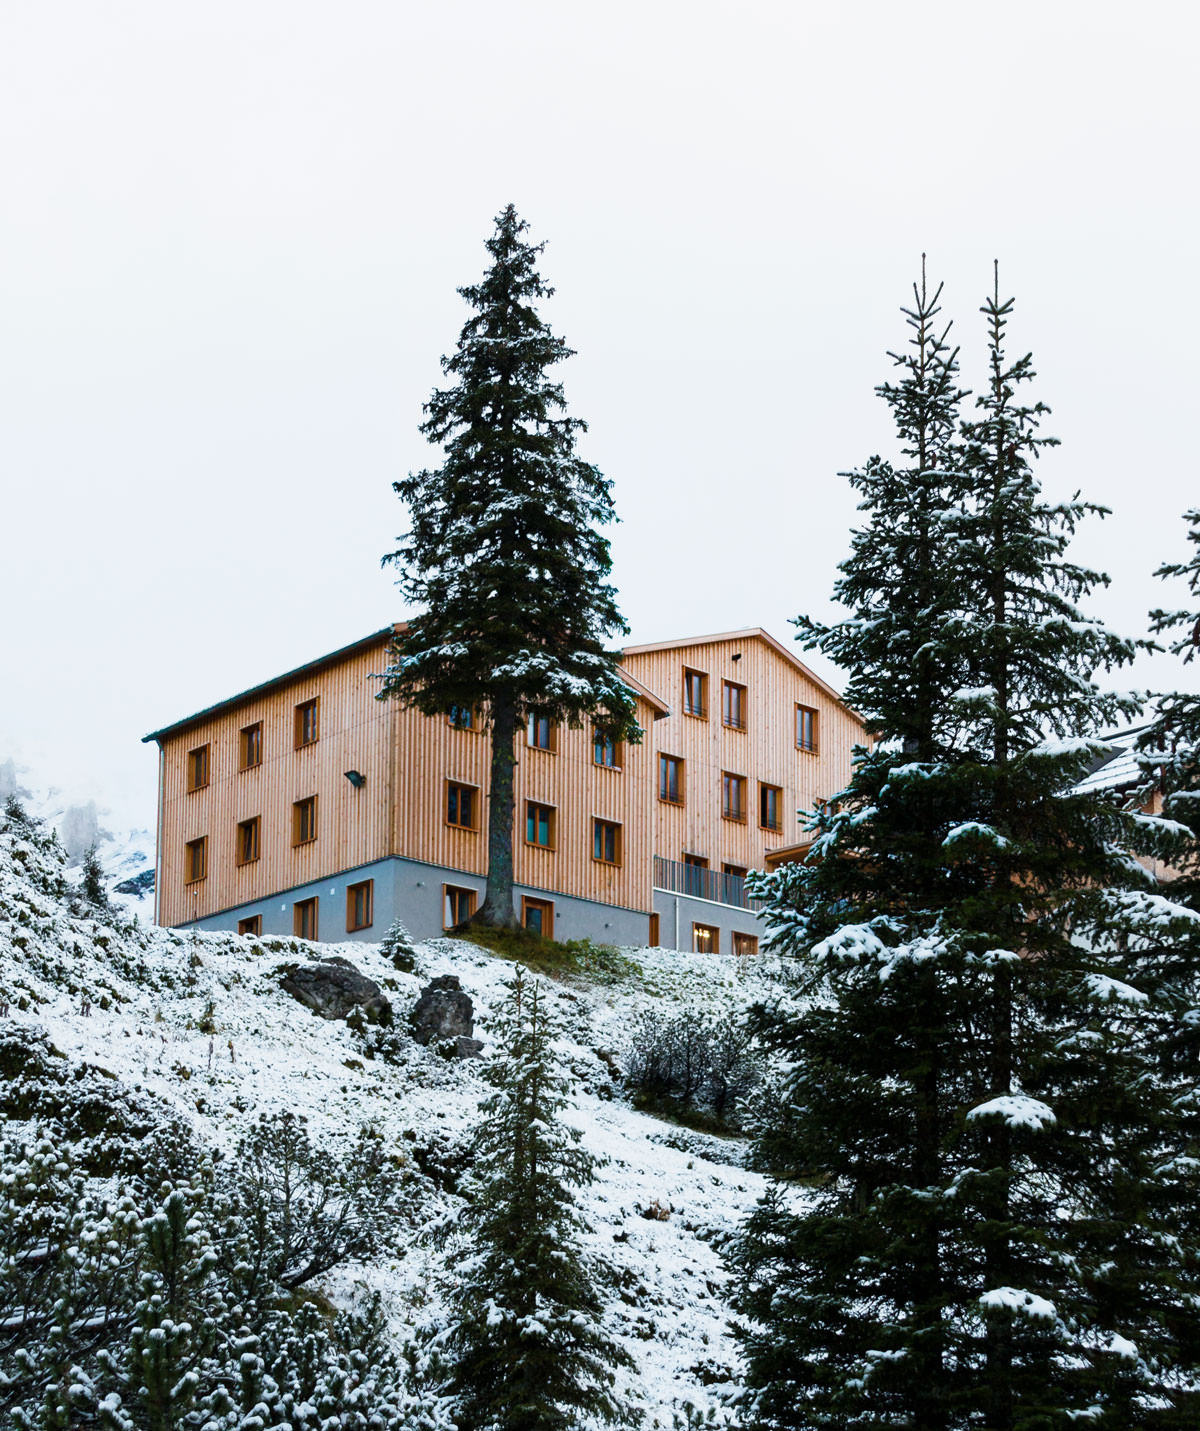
{"x":733,"y":705}
{"x":670,"y":779}
{"x":733,"y":797}
{"x":706,"y":939}
{"x":606,"y":842}
{"x":770,"y":806}
{"x":462,"y":805}
{"x":606,"y":751}
{"x":195,"y":860}
{"x":538,"y":915}
{"x":197,"y":768}
{"x":539,"y":731}
{"x":695,"y":693}
{"x":738,"y":871}
{"x":806,"y":728}
{"x":744,"y":943}
{"x":250,"y":746}
{"x":304,"y":918}
{"x":304,"y":821}
{"x":458,"y":905}
{"x":696,"y":876}
{"x":539,"y":824}
{"x":252,"y":924}
{"x":360,"y":905}
{"x":249,"y":834}
{"x":461,"y":718}
{"x":732,"y":889}
{"x":307,"y":723}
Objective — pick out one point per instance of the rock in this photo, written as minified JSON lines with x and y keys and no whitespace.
{"x":334,"y":988}
{"x":468,"y":1047}
{"x":444,"y":1014}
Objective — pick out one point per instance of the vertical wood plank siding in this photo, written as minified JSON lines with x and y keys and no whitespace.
{"x":765,"y":751}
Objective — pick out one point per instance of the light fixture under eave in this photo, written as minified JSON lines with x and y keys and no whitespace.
{"x":355,"y":779}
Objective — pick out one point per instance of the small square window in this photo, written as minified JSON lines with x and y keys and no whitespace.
{"x":606,"y":751}
{"x":197,"y":768}
{"x":307,"y":723}
{"x":360,"y":905}
{"x":806,"y":728}
{"x":460,"y":805}
{"x":250,"y":746}
{"x":770,"y":807}
{"x":695,"y":693}
{"x":745,"y":943}
{"x":538,"y":915}
{"x":539,"y":732}
{"x":251,"y":925}
{"x":733,"y":705}
{"x":606,"y":842}
{"x":733,"y":797}
{"x":304,"y":918}
{"x":195,"y":860}
{"x":706,"y":939}
{"x":670,"y":779}
{"x":304,"y":821}
{"x":248,"y":840}
{"x":458,"y":905}
{"x":461,"y":718}
{"x":539,"y":824}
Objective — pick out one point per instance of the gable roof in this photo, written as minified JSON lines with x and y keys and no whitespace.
{"x":747,"y":633}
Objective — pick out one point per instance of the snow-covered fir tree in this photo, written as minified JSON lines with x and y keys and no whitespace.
{"x":525,"y":1349}
{"x":504,"y":555}
{"x":993,"y":1239}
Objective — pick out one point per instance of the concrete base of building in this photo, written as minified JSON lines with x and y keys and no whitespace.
{"x":680,"y":916}
{"x":415,"y":893}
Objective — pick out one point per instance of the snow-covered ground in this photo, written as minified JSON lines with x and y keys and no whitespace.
{"x":199,"y":1020}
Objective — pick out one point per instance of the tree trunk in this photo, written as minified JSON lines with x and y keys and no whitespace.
{"x":497,"y":908}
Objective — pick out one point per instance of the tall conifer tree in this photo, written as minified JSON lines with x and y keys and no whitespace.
{"x":504,"y":553}
{"x":990,"y":1242}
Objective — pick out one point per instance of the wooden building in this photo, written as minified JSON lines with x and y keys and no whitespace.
{"x":306,"y":805}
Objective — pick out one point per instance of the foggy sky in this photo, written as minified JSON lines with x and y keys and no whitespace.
{"x":231,"y":239}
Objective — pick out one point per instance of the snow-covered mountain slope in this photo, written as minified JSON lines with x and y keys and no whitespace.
{"x":199,"y":1021}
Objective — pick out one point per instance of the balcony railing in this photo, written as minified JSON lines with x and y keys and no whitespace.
{"x":678,"y":878}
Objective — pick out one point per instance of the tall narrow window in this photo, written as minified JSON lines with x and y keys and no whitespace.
{"x":540,"y":731}
{"x":252,"y":924}
{"x":304,"y":918}
{"x":461,"y":718}
{"x":250,"y":746}
{"x":539,"y":824}
{"x":458,"y":905}
{"x":733,"y":705}
{"x":606,"y":751}
{"x":695,"y":692}
{"x":195,"y":860}
{"x":606,"y":842}
{"x":538,"y":915}
{"x":307,"y":725}
{"x":304,"y":821}
{"x":248,"y":839}
{"x":460,"y":805}
{"x":197,"y":768}
{"x":696,"y":877}
{"x":706,"y":939}
{"x":770,"y":806}
{"x":360,"y":905}
{"x":806,"y":728}
{"x":733,"y":796}
{"x":670,"y":779}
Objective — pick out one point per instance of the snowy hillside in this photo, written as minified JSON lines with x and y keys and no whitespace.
{"x":199,"y":1021}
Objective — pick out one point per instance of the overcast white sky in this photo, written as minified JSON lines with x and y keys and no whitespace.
{"x":232,"y":234}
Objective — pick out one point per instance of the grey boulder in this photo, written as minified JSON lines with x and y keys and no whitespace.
{"x":444,"y":1013}
{"x":334,"y":988}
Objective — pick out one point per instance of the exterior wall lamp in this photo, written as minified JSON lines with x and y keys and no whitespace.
{"x":355,"y":779}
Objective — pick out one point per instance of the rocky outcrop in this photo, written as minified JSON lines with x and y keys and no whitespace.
{"x":444,"y":1014}
{"x":334,"y":988}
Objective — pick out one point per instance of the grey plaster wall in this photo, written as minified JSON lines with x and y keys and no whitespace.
{"x":678,"y":912}
{"x":412,"y":892}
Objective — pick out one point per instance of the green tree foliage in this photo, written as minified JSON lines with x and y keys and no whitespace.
{"x":525,"y":1350}
{"x":991,"y":1238}
{"x":504,"y":555}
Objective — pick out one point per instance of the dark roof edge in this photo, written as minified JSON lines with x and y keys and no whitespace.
{"x":309,"y":668}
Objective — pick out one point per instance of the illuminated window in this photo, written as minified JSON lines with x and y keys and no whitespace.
{"x":304,"y":918}
{"x":197,"y":768}
{"x":745,"y":943}
{"x":539,"y":824}
{"x":540,"y":731}
{"x":460,"y":805}
{"x":307,"y":728}
{"x":670,"y":779}
{"x":706,"y":939}
{"x":248,"y":839}
{"x":606,"y":842}
{"x":770,"y":807}
{"x":806,"y":728}
{"x":250,"y":746}
{"x":360,"y":905}
{"x":304,"y":821}
{"x":458,"y":905}
{"x":195,"y":861}
{"x":733,"y":705}
{"x":733,"y":796}
{"x":695,"y":692}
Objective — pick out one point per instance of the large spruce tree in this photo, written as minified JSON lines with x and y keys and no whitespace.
{"x":998,"y":1172}
{"x":504,"y":555}
{"x":525,"y":1350}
